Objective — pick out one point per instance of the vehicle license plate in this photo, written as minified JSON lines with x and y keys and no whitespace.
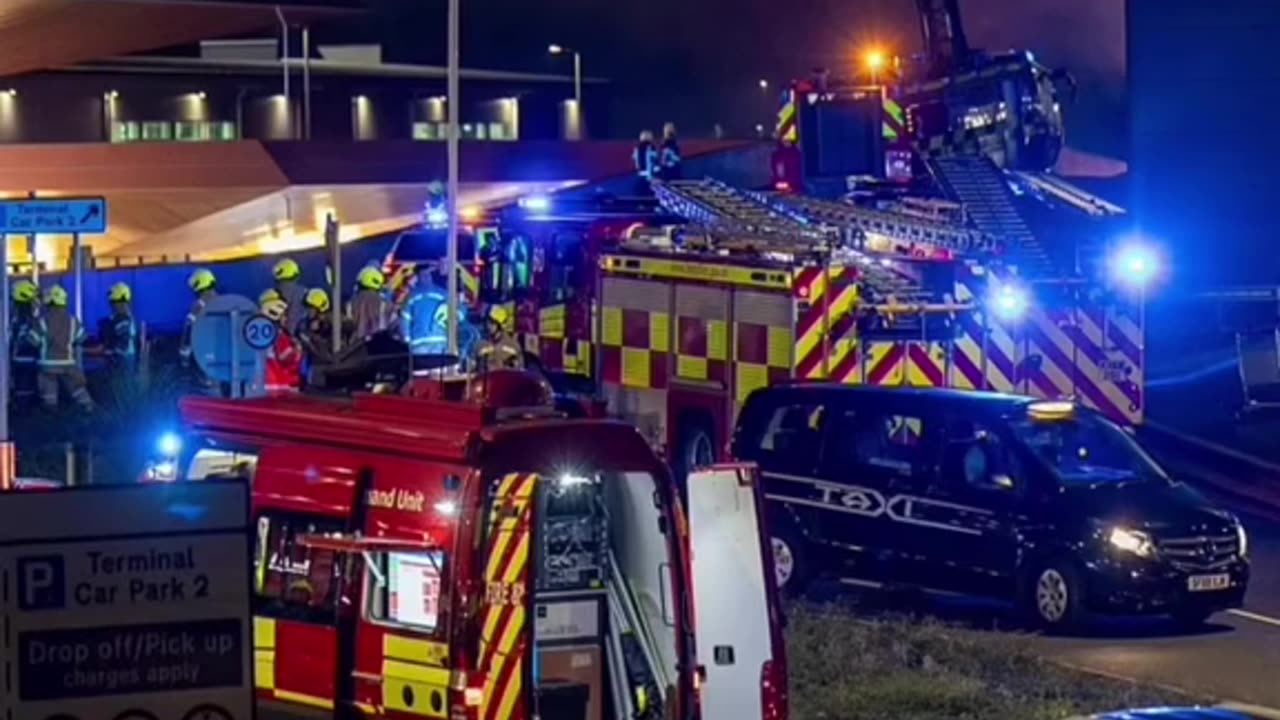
{"x":1202,"y":583}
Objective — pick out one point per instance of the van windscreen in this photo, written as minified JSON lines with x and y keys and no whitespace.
{"x":1086,"y":449}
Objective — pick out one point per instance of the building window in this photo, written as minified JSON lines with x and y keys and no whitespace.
{"x":427,"y":131}
{"x":157,"y":131}
{"x":125,"y":131}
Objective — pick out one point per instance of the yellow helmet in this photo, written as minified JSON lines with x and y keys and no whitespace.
{"x":274,"y":308}
{"x":25,"y":291}
{"x":286,"y":269}
{"x":268,"y":295}
{"x":317,"y":300}
{"x":120,"y":292}
{"x":371,"y":278}
{"x":201,"y":280}
{"x":55,"y":296}
{"x":500,"y":316}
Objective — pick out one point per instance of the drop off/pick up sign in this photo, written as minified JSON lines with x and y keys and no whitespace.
{"x":127,"y":602}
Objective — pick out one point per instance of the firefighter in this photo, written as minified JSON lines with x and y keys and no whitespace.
{"x":286,"y":272}
{"x":369,"y":312}
{"x":670,"y":160}
{"x":284,"y":357}
{"x":436,"y":210}
{"x":645,"y":158}
{"x":120,"y":336}
{"x":203,"y":283}
{"x":424,"y":315}
{"x":23,"y":351}
{"x":59,"y":334}
{"x":316,"y":333}
{"x":500,"y":349}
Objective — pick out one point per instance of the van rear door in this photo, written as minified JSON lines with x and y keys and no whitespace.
{"x":736,"y":615}
{"x":505,"y":651}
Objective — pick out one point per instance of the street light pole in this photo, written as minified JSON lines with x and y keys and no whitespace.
{"x":577,"y":81}
{"x":451,"y":199}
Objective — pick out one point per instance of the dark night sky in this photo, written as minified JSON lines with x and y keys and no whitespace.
{"x":698,"y":62}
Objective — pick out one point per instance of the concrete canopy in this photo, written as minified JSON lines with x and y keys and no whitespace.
{"x":214,"y":201}
{"x":42,"y":34}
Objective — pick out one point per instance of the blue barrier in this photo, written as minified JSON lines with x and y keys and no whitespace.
{"x":161,"y":297}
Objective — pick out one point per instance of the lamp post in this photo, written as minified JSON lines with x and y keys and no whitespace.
{"x":577,"y":71}
{"x":451,"y":196}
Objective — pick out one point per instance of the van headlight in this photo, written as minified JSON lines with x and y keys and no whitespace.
{"x":1242,"y":540}
{"x":1131,"y":541}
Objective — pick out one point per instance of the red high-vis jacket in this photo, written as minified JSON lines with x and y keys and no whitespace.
{"x":283,"y":365}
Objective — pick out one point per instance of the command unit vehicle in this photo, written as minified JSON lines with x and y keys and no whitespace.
{"x":464,"y":552}
{"x":1043,"y":502}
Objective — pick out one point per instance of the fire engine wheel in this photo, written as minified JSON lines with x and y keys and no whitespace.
{"x":696,"y":449}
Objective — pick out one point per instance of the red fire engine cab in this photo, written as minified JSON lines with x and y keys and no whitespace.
{"x":469,"y":554}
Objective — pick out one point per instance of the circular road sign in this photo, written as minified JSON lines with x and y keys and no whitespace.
{"x":260,"y":332}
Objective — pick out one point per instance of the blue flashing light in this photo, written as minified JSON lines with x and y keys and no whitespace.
{"x":536,"y":203}
{"x":1135,"y":265}
{"x":1009,"y":302}
{"x":169,"y":445}
{"x":437,"y":216}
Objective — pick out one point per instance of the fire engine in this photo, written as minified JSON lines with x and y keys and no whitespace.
{"x":464,"y":552}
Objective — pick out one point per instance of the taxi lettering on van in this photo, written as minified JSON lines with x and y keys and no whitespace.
{"x":398,"y":499}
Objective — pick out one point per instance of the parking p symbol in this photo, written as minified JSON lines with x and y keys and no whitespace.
{"x":41,"y":583}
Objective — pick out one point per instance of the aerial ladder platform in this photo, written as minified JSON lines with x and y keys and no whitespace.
{"x":957,"y":239}
{"x":722,"y":209}
{"x":977,"y":183}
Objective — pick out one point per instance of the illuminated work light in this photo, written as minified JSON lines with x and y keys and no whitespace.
{"x":536,"y":203}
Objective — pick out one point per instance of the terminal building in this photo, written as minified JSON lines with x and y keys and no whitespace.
{"x":221,"y":129}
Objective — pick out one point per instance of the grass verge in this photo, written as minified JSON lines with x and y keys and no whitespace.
{"x":846,"y":668}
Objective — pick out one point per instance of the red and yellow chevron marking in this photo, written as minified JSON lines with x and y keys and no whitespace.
{"x":825,"y":301}
{"x":788,"y":127}
{"x":926,"y":364}
{"x":504,"y":636}
{"x":885,"y":362}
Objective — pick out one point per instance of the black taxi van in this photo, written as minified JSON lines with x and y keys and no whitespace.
{"x":1045,"y":503}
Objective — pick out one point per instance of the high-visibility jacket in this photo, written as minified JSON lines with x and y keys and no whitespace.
{"x":671,"y":160}
{"x":22,"y":346}
{"x":369,"y":312}
{"x":57,"y":333}
{"x":645,"y":158}
{"x":283,"y":371}
{"x":424,"y":320}
{"x":194,"y":314}
{"x":121,"y":341}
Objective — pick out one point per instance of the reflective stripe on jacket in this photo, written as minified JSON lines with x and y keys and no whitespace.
{"x":369,"y":313}
{"x":57,"y":333}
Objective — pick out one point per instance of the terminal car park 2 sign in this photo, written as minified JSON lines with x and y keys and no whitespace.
{"x":53,"y":215}
{"x":127,"y":602}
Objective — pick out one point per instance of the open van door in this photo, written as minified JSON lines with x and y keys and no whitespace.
{"x":737,"y":619}
{"x":506,"y":651}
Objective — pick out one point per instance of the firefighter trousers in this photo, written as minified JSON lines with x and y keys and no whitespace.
{"x":24,"y":381}
{"x":68,"y":379}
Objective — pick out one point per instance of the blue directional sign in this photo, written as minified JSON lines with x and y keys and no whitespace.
{"x":53,"y":215}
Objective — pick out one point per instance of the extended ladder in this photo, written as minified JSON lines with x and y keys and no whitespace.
{"x":919,"y":231}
